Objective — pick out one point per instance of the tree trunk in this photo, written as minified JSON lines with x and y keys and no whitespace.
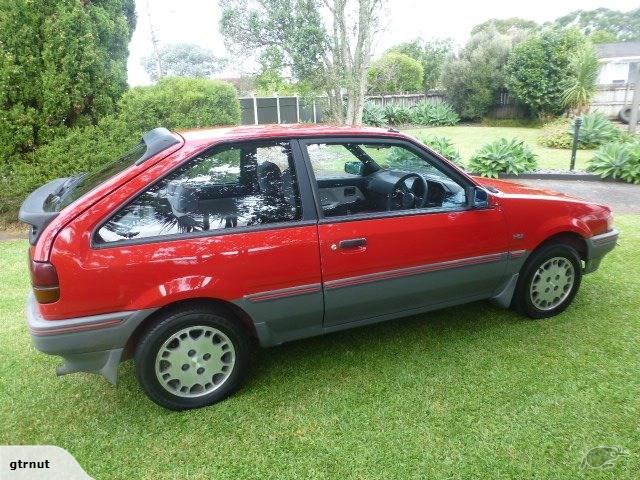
{"x":352,"y":66}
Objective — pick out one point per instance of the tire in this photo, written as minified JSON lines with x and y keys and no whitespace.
{"x":555,"y":285}
{"x":192,"y":357}
{"x":625,"y":115}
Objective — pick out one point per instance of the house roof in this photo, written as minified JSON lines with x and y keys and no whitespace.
{"x":618,"y":50}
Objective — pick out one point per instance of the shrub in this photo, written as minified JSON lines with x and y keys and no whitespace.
{"x":503,"y":156}
{"x":473,"y":79}
{"x":62,"y":65}
{"x":444,"y":146}
{"x":373,"y":115}
{"x":396,"y":73}
{"x":617,"y":160}
{"x":174,"y":103}
{"x":179,"y":103}
{"x":596,"y":130}
{"x":556,"y":134}
{"x":434,"y":114}
{"x":397,"y":114}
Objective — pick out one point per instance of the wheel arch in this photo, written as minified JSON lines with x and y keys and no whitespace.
{"x":568,"y":237}
{"x":232,"y":310}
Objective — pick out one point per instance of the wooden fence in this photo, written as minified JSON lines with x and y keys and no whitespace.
{"x":611,"y":98}
{"x":262,"y":110}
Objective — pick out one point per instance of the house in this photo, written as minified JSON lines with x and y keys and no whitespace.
{"x":616,"y":61}
{"x":617,"y":74}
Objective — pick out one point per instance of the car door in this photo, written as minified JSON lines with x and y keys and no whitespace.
{"x":380,"y":260}
{"x":229,"y":224}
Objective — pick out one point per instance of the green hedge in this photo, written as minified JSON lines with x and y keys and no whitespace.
{"x":175,"y":103}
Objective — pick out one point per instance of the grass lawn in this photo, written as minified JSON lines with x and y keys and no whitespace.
{"x":470,"y":138}
{"x":468,"y":392}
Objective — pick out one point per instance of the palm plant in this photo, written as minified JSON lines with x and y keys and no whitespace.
{"x":580,"y":87}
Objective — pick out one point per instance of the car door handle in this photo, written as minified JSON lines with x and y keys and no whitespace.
{"x":352,"y":243}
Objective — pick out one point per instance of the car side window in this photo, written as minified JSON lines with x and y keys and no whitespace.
{"x":332,"y":160}
{"x":369,"y":177}
{"x":225,"y":188}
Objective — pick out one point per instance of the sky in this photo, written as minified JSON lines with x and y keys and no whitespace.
{"x":196,"y":21}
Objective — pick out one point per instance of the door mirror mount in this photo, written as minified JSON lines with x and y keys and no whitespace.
{"x":478,"y":198}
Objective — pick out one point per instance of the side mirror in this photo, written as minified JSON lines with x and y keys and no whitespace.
{"x":354,"y":168}
{"x":480,"y":198}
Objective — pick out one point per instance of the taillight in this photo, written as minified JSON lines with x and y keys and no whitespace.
{"x":44,"y":280}
{"x":609,"y":222}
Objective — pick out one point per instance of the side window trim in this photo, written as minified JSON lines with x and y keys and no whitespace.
{"x":423,"y":153}
{"x":309,"y":211}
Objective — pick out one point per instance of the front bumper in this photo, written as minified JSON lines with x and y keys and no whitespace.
{"x":597,"y":247}
{"x":87,"y":344}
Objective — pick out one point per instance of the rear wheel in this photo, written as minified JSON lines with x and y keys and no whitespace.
{"x":191,"y":358}
{"x":549,"y":281}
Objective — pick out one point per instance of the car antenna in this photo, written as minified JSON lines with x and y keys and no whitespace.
{"x":393,"y":130}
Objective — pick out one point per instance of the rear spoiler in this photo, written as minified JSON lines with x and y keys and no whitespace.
{"x":156,"y":140}
{"x":33,"y":211}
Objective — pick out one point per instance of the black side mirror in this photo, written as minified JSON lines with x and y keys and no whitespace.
{"x":480,"y":198}
{"x":354,"y":168}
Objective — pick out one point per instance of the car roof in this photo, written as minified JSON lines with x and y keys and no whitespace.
{"x":213,"y":135}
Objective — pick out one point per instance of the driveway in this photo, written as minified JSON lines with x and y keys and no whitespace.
{"x":621,"y":197}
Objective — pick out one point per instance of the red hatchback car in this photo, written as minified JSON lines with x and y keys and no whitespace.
{"x":193,"y":245}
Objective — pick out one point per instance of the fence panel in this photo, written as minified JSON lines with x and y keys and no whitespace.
{"x":288,"y":110}
{"x":247,"y":115}
{"x":611,"y":98}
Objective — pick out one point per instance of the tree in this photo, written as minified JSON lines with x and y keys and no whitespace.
{"x":624,"y":26}
{"x":581,"y":85}
{"x":473,"y":79}
{"x":271,"y":80}
{"x":396,"y":73}
{"x":538,"y":67}
{"x":62,"y":64}
{"x":508,"y":26}
{"x":602,"y":36}
{"x":183,"y":60}
{"x":431,"y":54}
{"x":326,"y":44}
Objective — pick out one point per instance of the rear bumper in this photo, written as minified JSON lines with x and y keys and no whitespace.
{"x":87,"y":344}
{"x":597,"y":247}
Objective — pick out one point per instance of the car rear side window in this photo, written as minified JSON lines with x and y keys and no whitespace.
{"x":225,"y":188}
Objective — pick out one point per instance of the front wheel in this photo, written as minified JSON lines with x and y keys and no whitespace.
{"x":191,"y":358}
{"x":548,"y":281}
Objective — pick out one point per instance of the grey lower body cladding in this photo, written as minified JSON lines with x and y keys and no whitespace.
{"x":89,"y":344}
{"x":96,"y":343}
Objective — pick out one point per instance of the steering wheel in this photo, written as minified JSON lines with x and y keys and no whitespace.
{"x":404,"y":197}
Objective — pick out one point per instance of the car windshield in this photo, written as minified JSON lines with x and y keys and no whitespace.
{"x":81,"y":184}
